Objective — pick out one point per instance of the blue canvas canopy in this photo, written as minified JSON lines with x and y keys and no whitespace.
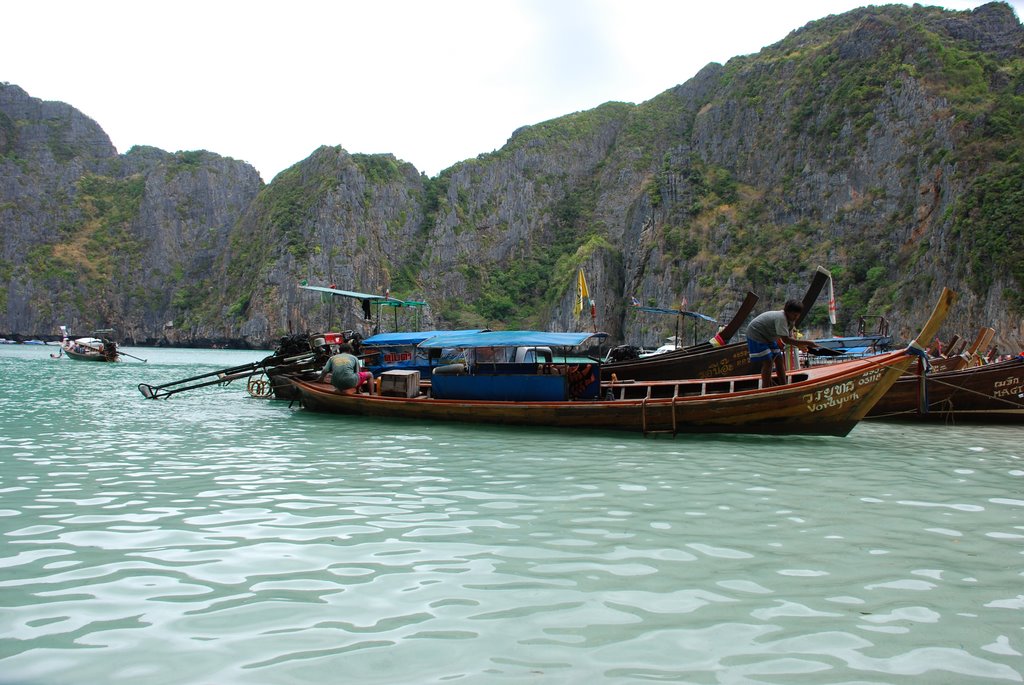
{"x":510,"y":339}
{"x":410,"y":337}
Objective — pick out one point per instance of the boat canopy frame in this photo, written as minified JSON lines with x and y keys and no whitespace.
{"x":368,"y":301}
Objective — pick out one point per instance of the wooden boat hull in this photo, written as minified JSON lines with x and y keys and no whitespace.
{"x":826,"y":400}
{"x":823,"y":403}
{"x":88,"y":349}
{"x":86,"y":357}
{"x":989,"y":393}
{"x":704,"y":361}
{"x":281,"y":385}
{"x":944,"y":364}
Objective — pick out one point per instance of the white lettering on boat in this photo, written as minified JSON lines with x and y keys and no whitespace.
{"x":870,"y":377}
{"x":1010,"y":387}
{"x":832,"y":397}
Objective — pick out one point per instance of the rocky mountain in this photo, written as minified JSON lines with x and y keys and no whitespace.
{"x":886,"y":144}
{"x":93,"y":239}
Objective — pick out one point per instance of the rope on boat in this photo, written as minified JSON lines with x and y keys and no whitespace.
{"x":1012,"y":403}
{"x":259,"y":388}
{"x":916,"y":349}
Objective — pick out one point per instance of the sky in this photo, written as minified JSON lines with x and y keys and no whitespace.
{"x":434,"y":83}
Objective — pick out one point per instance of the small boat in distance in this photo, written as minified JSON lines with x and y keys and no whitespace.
{"x":87,"y":349}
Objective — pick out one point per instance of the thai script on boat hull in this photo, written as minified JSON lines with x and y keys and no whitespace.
{"x":870,"y":377}
{"x":832,"y":397}
{"x":730,"y":366}
{"x":1010,"y":387}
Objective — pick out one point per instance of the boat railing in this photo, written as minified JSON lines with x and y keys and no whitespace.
{"x":656,"y":390}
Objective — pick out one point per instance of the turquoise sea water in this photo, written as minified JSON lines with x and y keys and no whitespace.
{"x":217,"y":539}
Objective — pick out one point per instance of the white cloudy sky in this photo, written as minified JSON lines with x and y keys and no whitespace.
{"x":268,"y":81}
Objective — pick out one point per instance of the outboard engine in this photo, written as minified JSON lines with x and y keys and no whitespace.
{"x":292,"y":345}
{"x":354,"y":339}
{"x":623,"y":353}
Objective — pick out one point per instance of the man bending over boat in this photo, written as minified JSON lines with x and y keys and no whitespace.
{"x":346,"y":372}
{"x":765,"y":332}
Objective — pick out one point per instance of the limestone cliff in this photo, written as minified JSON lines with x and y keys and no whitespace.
{"x":886,"y":144}
{"x":93,"y":239}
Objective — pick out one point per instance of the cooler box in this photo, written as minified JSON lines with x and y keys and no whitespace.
{"x":400,"y":383}
{"x":334,"y":338}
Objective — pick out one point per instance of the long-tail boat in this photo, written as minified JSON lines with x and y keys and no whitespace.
{"x":984,"y":393}
{"x":87,"y":349}
{"x":969,"y":357}
{"x":827,"y":400}
{"x":713,"y":359}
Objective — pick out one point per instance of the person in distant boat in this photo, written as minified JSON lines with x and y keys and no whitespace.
{"x":765,"y":332}
{"x":346,"y":372}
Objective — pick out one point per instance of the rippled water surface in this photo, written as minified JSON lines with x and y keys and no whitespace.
{"x":217,"y":539}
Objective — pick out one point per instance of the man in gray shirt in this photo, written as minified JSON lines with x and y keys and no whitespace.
{"x":763,"y":335}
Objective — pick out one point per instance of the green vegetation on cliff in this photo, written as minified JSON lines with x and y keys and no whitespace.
{"x":988,"y":224}
{"x":103,"y":244}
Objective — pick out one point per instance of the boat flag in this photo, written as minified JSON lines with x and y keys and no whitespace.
{"x":718,"y":340}
{"x":582,"y":294}
{"x":831,"y":302}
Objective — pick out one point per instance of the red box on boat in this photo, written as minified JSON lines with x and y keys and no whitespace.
{"x":334,"y":338}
